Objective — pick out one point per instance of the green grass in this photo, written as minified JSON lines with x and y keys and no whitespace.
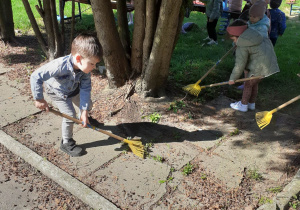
{"x":190,"y":61}
{"x":22,"y":22}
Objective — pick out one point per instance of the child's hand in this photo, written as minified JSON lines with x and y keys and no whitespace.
{"x":231,"y":82}
{"x":84,"y":118}
{"x":41,"y":104}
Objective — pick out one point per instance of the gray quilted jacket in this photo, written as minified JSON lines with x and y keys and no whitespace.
{"x":255,"y":54}
{"x":214,"y":9}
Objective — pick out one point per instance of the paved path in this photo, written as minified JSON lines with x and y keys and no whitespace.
{"x":125,"y":180}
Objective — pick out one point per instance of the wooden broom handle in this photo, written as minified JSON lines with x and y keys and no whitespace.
{"x":212,"y":68}
{"x":287,"y":103}
{"x":239,"y":80}
{"x":79,"y":122}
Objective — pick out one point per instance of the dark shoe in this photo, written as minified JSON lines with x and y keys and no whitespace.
{"x":71,"y":148}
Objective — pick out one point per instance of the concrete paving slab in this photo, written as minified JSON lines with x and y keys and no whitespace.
{"x":4,"y":69}
{"x":265,"y":157}
{"x":258,"y":156}
{"x":6,"y":89}
{"x":228,"y":171}
{"x":133,"y":182}
{"x":99,"y":148}
{"x":44,"y":129}
{"x":176,"y":154}
{"x":62,"y":178}
{"x":181,"y":201}
{"x":206,"y":137}
{"x":16,"y":108}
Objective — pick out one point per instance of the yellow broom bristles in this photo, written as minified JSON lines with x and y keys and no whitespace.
{"x":263,"y":119}
{"x":193,"y":89}
{"x":136,"y":147}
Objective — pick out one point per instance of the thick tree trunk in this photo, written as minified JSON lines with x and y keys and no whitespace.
{"x":59,"y":49}
{"x":138,"y":36}
{"x":49,"y":28}
{"x":123,"y":27}
{"x":151,"y":23}
{"x":7,"y":32}
{"x":35,"y":27}
{"x":157,"y":70}
{"x":117,"y":66}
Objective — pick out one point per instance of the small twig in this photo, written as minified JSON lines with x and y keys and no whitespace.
{"x":116,"y":111}
{"x":184,"y":97}
{"x":130,"y":90}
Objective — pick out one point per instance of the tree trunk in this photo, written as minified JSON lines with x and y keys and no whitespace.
{"x":59,"y":49}
{"x":49,"y":28}
{"x":157,"y":70}
{"x":62,"y":23}
{"x":7,"y":32}
{"x":138,"y":36}
{"x":35,"y":27}
{"x":123,"y":27}
{"x":151,"y":22}
{"x":72,"y":24}
{"x":117,"y":66}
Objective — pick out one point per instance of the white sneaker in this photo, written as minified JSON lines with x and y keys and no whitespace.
{"x":212,"y":42}
{"x":251,"y":106}
{"x":239,"y":106}
{"x":207,"y":39}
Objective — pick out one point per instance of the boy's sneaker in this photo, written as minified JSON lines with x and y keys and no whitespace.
{"x":251,"y":106}
{"x":71,"y":148}
{"x":207,"y":39}
{"x":212,"y":42}
{"x":239,"y":106}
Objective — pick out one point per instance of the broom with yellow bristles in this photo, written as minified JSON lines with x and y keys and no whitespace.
{"x":135,"y":145}
{"x":195,"y":89}
{"x":264,"y":118}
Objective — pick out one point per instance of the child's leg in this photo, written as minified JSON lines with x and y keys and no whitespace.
{"x":241,"y":87}
{"x":247,"y":92}
{"x":76,"y":102}
{"x":66,"y":107}
{"x":211,"y":29}
{"x":254,"y":93}
{"x":68,"y":144}
{"x":250,"y":91}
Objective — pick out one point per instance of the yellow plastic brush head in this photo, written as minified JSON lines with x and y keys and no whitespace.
{"x":263,"y":119}
{"x":193,"y":89}
{"x":136,"y":147}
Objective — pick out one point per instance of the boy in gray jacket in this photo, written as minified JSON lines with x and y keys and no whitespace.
{"x":67,"y":80}
{"x":254,"y":53}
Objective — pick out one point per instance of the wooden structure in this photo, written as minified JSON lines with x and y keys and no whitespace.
{"x":62,"y":3}
{"x":293,"y":8}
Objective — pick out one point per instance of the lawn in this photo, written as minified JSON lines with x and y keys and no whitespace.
{"x":191,"y":60}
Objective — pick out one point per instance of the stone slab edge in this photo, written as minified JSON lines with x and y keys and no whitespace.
{"x":281,"y":201}
{"x":65,"y":180}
